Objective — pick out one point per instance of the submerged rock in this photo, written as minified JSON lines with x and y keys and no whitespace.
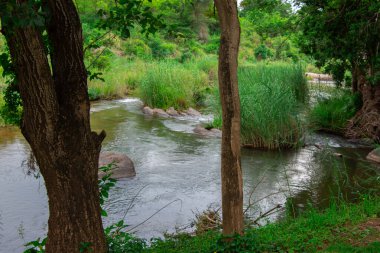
{"x":148,"y":111}
{"x":374,"y":155}
{"x":124,"y":165}
{"x":193,"y":112}
{"x":172,"y":112}
{"x":207,"y":133}
{"x":160,"y":113}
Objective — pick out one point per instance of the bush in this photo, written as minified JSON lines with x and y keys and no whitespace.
{"x":332,"y":114}
{"x":137,"y":48}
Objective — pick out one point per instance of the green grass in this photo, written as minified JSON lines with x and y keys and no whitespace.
{"x":337,"y":229}
{"x":167,"y":84}
{"x":332,"y":114}
{"x":271,"y":96}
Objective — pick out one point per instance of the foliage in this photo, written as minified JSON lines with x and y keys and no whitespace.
{"x":105,"y":184}
{"x":119,"y":241}
{"x":271,"y":18}
{"x":345,"y":32}
{"x":332,"y":114}
{"x":11,"y":110}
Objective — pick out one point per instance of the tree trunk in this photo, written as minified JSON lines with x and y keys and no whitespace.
{"x":232,"y":182}
{"x":366,"y":123}
{"x":56,"y":124}
{"x":355,"y":78}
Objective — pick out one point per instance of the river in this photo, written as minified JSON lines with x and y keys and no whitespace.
{"x":176,"y":166}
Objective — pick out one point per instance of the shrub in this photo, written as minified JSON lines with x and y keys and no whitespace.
{"x":332,"y":114}
{"x":137,"y":48}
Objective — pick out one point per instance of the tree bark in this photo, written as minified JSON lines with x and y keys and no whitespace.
{"x":232,"y":182}
{"x":56,"y":124}
{"x":355,"y":78}
{"x":366,"y":122}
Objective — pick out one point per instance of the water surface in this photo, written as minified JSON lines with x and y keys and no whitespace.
{"x":176,"y":166}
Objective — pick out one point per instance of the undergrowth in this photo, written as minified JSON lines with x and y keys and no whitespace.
{"x":311,"y":232}
{"x":332,"y":114}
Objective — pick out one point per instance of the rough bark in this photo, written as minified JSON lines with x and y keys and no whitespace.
{"x":366,"y":122}
{"x":232,"y":182}
{"x":355,"y":78}
{"x":56,"y":124}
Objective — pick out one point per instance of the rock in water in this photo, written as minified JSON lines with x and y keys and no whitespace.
{"x":160,"y":113}
{"x":207,"y":133}
{"x":193,"y":112}
{"x":374,"y":155}
{"x":172,"y":112}
{"x":124,"y":165}
{"x":148,"y":111}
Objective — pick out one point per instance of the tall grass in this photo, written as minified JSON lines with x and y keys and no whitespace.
{"x":167,"y":84}
{"x":271,"y":96}
{"x":332,"y":114}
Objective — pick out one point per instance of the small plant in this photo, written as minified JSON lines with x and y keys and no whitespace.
{"x":105,"y":184}
{"x":120,"y":241}
{"x":37,"y":246}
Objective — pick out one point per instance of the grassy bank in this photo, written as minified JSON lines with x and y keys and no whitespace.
{"x":160,"y":84}
{"x":271,"y":96}
{"x":343,"y":228}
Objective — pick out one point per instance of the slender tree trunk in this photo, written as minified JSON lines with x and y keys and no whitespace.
{"x":56,"y":124}
{"x":232,"y":182}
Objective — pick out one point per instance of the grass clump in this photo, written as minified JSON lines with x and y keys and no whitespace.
{"x":270,"y":97}
{"x":169,"y":84}
{"x":332,"y":114}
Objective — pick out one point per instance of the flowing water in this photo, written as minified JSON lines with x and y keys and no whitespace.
{"x":177,"y":175}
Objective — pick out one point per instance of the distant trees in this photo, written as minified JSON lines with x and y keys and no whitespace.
{"x":232,"y":182}
{"x":344,"y":34}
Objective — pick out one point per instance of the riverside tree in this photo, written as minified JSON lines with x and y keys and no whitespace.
{"x":45,"y":42}
{"x":56,"y":118}
{"x":232,"y":182}
{"x":344,"y":34}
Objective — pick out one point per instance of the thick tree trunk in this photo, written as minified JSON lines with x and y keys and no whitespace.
{"x":232,"y":182}
{"x":366,"y":123}
{"x":56,"y":123}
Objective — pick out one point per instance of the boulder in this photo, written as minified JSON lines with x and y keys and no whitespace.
{"x":207,"y":133}
{"x":124,"y":166}
{"x":160,"y":113}
{"x":148,"y":111}
{"x":374,"y":155}
{"x":193,"y":112}
{"x":172,"y":112}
